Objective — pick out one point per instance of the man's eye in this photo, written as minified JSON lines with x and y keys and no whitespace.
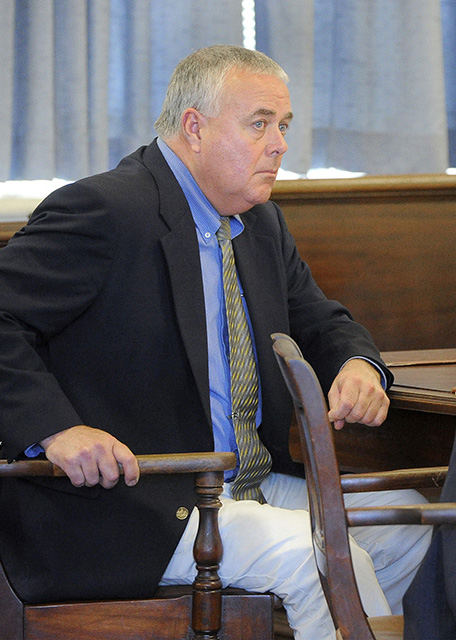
{"x":284,"y":127}
{"x":259,"y":124}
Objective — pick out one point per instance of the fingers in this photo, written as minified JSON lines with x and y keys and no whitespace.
{"x":90,"y":456}
{"x":369,"y":408}
{"x":129,"y":463}
{"x":357,"y":396}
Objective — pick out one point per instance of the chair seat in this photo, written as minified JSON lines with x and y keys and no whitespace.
{"x":384,"y":628}
{"x":387,"y":627}
{"x":165,"y":617}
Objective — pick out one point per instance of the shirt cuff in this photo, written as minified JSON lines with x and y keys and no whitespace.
{"x":34,"y":450}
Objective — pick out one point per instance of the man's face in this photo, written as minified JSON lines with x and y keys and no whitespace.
{"x":241,"y":148}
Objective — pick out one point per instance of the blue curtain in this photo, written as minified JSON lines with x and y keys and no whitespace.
{"x":83,"y":80}
{"x":373,"y":82}
{"x":377,"y":89}
{"x":449,"y":48}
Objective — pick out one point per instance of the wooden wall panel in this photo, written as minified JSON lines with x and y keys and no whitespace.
{"x":386,"y":248}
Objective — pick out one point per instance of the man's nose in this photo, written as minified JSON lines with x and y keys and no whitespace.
{"x":277,"y":144}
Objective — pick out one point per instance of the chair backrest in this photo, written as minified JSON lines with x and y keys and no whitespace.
{"x":326,"y":505}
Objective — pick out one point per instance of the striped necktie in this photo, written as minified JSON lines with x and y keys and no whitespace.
{"x":254,"y":459}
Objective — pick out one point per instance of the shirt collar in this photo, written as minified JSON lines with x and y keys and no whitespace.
{"x":206,"y":217}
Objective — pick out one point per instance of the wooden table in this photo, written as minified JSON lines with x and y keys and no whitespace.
{"x":421,"y":423}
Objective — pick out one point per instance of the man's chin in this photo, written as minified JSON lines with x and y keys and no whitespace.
{"x":259,"y":196}
{"x":264,"y":193}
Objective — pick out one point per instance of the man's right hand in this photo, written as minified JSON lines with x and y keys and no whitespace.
{"x":90,"y":456}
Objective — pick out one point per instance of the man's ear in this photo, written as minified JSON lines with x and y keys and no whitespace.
{"x":192,"y":123}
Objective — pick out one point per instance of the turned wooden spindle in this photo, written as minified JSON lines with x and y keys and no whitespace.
{"x":208,"y":550}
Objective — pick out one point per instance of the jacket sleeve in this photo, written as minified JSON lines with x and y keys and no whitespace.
{"x":50,"y":273}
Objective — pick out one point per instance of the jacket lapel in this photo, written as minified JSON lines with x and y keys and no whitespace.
{"x":182,"y":256}
{"x":180,"y":247}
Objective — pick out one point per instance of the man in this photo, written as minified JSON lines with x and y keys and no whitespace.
{"x":114,"y":341}
{"x":430,"y":602}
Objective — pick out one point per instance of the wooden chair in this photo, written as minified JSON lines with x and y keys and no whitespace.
{"x":329,"y":516}
{"x":202,"y":611}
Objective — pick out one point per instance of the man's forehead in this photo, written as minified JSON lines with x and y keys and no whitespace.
{"x":264,"y":111}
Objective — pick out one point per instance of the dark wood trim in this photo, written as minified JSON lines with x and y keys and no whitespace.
{"x":402,"y":186}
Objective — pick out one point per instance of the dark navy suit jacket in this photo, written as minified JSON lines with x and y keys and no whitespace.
{"x":102,"y":323}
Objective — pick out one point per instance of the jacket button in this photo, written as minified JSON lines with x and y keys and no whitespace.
{"x":182,"y":513}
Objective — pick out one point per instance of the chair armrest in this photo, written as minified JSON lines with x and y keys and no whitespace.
{"x":148,"y":464}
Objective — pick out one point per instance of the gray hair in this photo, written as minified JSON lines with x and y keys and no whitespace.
{"x":198,"y":81}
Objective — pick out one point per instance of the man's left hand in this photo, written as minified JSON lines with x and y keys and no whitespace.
{"x":356,"y":395}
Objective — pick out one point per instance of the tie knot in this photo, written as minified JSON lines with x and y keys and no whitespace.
{"x":224,"y":231}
